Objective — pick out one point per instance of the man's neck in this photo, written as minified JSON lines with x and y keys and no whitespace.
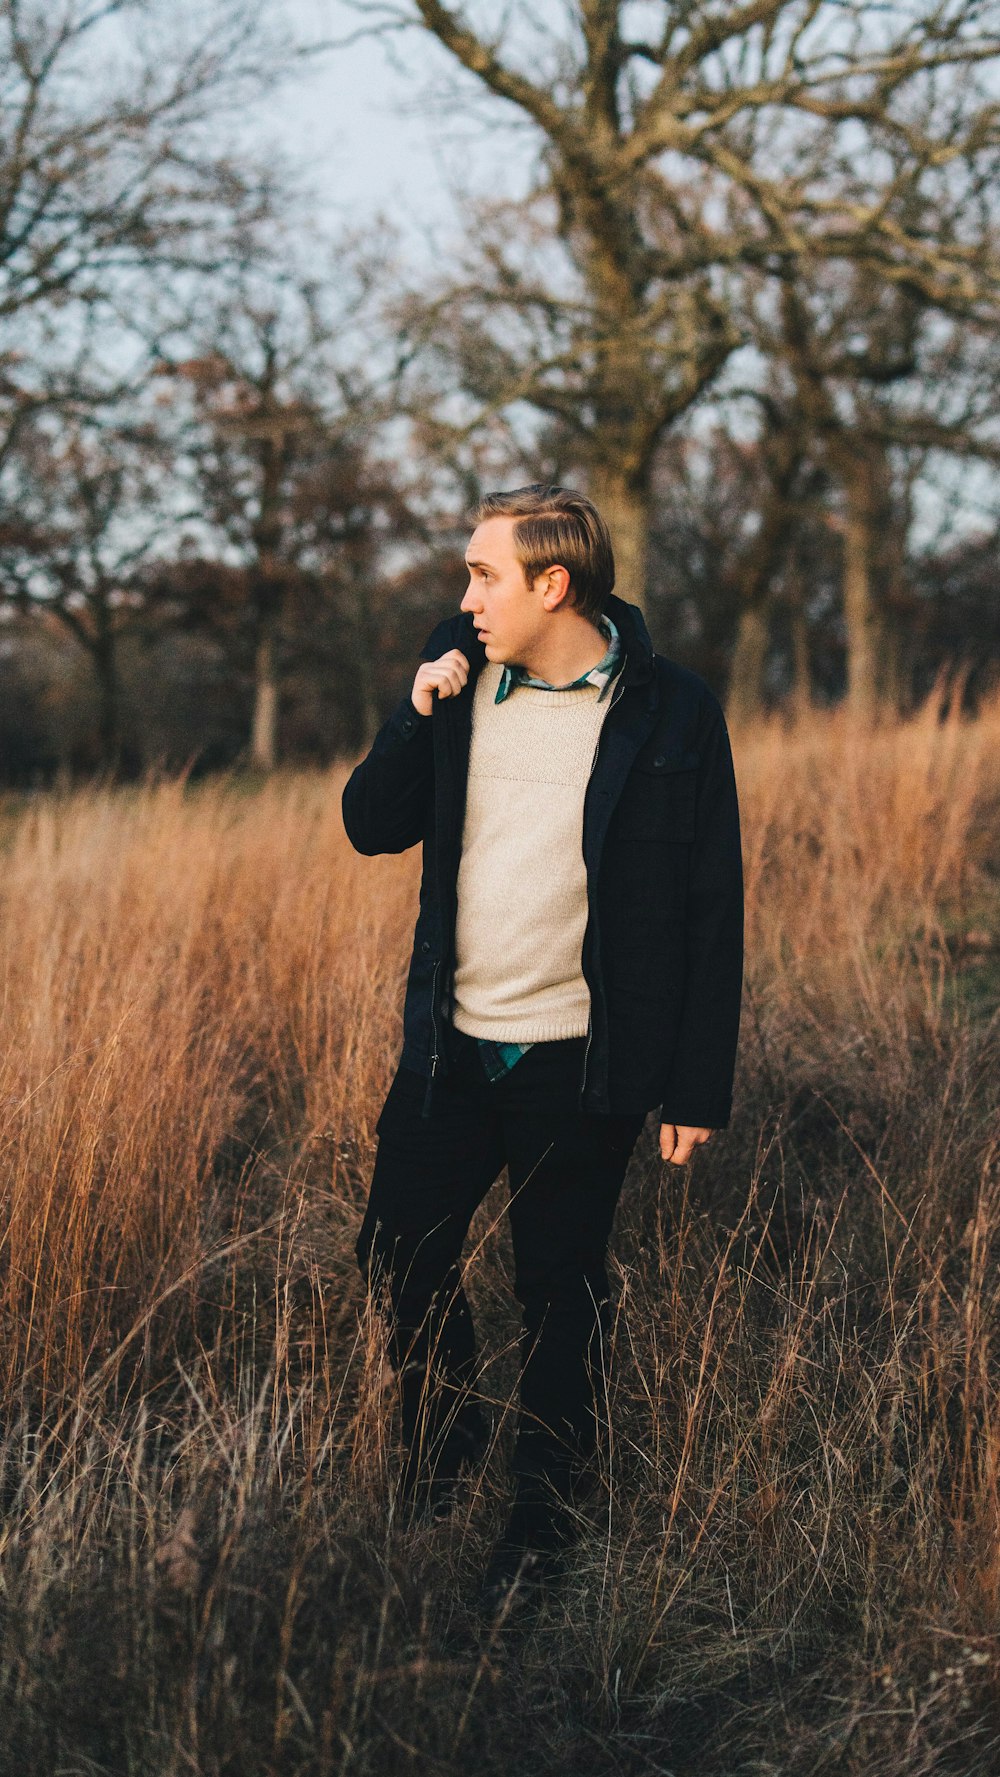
{"x":566,"y":656}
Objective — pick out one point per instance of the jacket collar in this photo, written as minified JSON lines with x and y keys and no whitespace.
{"x":631,"y":626}
{"x":459,"y":631}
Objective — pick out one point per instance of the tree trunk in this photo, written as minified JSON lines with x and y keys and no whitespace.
{"x":893,"y":691}
{"x":109,"y":724}
{"x":270,"y":585}
{"x":264,"y":737}
{"x":801,"y":699}
{"x":746,"y":679}
{"x":365,"y":640}
{"x":624,"y":505}
{"x":897,"y":624}
{"x":861,"y":613}
{"x":754,"y":571}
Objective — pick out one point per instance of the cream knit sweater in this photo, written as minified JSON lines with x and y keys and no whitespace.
{"x":522,"y":886}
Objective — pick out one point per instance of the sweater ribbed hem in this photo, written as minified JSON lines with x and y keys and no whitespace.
{"x":506,"y":1029}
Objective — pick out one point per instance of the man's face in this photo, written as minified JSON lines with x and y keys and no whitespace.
{"x":509,"y":614}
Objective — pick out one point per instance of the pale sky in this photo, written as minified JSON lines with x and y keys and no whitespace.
{"x":371,"y":133}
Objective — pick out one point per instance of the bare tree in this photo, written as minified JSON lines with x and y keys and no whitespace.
{"x":781,"y":457}
{"x":873,"y":376}
{"x":118,"y":159}
{"x":121,"y":173}
{"x":87,"y":505}
{"x":279,"y":431}
{"x":677,"y":150}
{"x":735,"y":514}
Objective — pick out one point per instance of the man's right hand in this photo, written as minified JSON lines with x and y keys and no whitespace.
{"x":446,"y":676}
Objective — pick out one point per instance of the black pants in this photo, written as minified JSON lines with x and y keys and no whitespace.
{"x":565,"y":1170}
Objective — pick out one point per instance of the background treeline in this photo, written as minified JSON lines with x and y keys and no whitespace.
{"x":750,"y":301}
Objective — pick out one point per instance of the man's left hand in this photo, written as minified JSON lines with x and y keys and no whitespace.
{"x":678,"y":1142}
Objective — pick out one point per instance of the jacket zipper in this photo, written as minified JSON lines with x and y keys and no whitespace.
{"x":619,"y":687}
{"x":434,"y":1056}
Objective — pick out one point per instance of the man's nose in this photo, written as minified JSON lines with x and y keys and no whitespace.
{"x":468,"y":602}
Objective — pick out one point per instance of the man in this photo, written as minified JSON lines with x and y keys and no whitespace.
{"x":577,"y":961}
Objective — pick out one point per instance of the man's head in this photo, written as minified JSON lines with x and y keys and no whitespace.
{"x":536,"y":552}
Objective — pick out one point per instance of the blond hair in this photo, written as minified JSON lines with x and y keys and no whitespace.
{"x":557,"y":527}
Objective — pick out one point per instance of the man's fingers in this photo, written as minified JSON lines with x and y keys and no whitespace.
{"x":678,"y":1143}
{"x":450,"y":673}
{"x":446,"y":676}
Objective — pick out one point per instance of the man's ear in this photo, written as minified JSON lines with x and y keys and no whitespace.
{"x":556,"y":582}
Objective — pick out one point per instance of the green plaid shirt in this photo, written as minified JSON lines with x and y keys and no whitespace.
{"x":499,"y":1058}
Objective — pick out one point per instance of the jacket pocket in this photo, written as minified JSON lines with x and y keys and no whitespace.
{"x":659,"y":799}
{"x":403,"y":1101}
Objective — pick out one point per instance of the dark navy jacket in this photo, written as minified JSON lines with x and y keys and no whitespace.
{"x":663,"y":947}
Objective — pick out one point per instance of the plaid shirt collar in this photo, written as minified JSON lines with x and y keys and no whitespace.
{"x":601,"y":674}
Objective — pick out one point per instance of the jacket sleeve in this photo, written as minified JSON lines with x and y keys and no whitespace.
{"x":699,"y":1086}
{"x":387,"y":797}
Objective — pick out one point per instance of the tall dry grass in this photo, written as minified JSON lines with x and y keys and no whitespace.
{"x":794,"y":1563}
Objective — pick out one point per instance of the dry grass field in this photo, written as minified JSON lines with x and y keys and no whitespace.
{"x":794,"y":1565}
